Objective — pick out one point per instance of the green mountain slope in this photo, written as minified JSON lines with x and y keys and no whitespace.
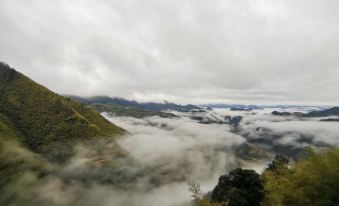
{"x":46,"y":120}
{"x":19,"y":167}
{"x":7,"y":131}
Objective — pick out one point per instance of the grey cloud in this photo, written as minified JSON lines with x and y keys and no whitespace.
{"x":185,"y":51}
{"x":163,"y":154}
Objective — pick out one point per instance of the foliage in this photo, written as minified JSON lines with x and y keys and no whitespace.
{"x":279,"y":162}
{"x":47,"y":122}
{"x":194,"y":188}
{"x":19,"y":167}
{"x":205,"y":201}
{"x":199,"y":198}
{"x":240,"y":187}
{"x":311,"y":181}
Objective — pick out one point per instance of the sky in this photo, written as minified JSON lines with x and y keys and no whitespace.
{"x":185,"y":51}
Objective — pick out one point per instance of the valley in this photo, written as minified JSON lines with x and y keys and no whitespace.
{"x":75,"y":151}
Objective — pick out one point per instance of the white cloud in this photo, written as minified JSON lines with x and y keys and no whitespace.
{"x":165,"y":153}
{"x":184,"y":51}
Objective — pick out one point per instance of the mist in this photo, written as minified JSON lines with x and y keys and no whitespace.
{"x":153,"y":163}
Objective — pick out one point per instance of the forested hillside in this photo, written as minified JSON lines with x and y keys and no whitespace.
{"x":312,"y":180}
{"x":45,"y":120}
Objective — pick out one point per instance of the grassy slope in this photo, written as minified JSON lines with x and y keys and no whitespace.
{"x":44,"y":118}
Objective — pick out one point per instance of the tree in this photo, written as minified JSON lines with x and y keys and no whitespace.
{"x":279,"y":162}
{"x":194,"y":188}
{"x":199,"y":198}
{"x":311,"y":181}
{"x":240,"y":187}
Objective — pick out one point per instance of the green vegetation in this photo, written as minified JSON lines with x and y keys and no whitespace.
{"x":199,"y":198}
{"x":205,"y":201}
{"x":280,"y":162}
{"x":34,"y":121}
{"x":19,"y":167}
{"x":311,"y":181}
{"x":47,"y":122}
{"x":240,"y":187}
{"x":128,"y":111}
{"x":7,"y":131}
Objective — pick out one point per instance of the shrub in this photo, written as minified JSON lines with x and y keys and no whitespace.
{"x":240,"y":187}
{"x":311,"y":181}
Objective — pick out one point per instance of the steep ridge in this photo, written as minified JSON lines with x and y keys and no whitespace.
{"x":45,"y":120}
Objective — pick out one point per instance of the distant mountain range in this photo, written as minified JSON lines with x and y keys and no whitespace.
{"x":118,"y":110}
{"x":234,"y":107}
{"x":323,"y":113}
{"x":242,"y":107}
{"x":297,"y":114}
{"x":150,"y":106}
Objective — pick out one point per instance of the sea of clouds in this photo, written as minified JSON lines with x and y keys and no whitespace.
{"x":152,"y":164}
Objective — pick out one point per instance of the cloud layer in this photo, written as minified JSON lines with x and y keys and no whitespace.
{"x":164,"y":155}
{"x":184,"y":51}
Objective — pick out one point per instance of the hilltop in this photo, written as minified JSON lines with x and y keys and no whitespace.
{"x":47,"y":122}
{"x":325,"y":113}
{"x":322,"y":113}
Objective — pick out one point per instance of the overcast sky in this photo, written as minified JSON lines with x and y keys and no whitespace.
{"x":187,"y":51}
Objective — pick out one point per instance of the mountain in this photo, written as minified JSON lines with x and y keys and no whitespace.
{"x":15,"y":162}
{"x":296,"y":114}
{"x":151,"y":106}
{"x":234,"y":107}
{"x":170,"y":106}
{"x":129,"y":111}
{"x":241,"y":107}
{"x":113,"y":106}
{"x":329,"y":120}
{"x":46,"y":122}
{"x":324,"y":113}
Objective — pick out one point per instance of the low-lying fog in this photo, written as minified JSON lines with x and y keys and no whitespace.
{"x":176,"y":151}
{"x":161,"y":155}
{"x":203,"y":146}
